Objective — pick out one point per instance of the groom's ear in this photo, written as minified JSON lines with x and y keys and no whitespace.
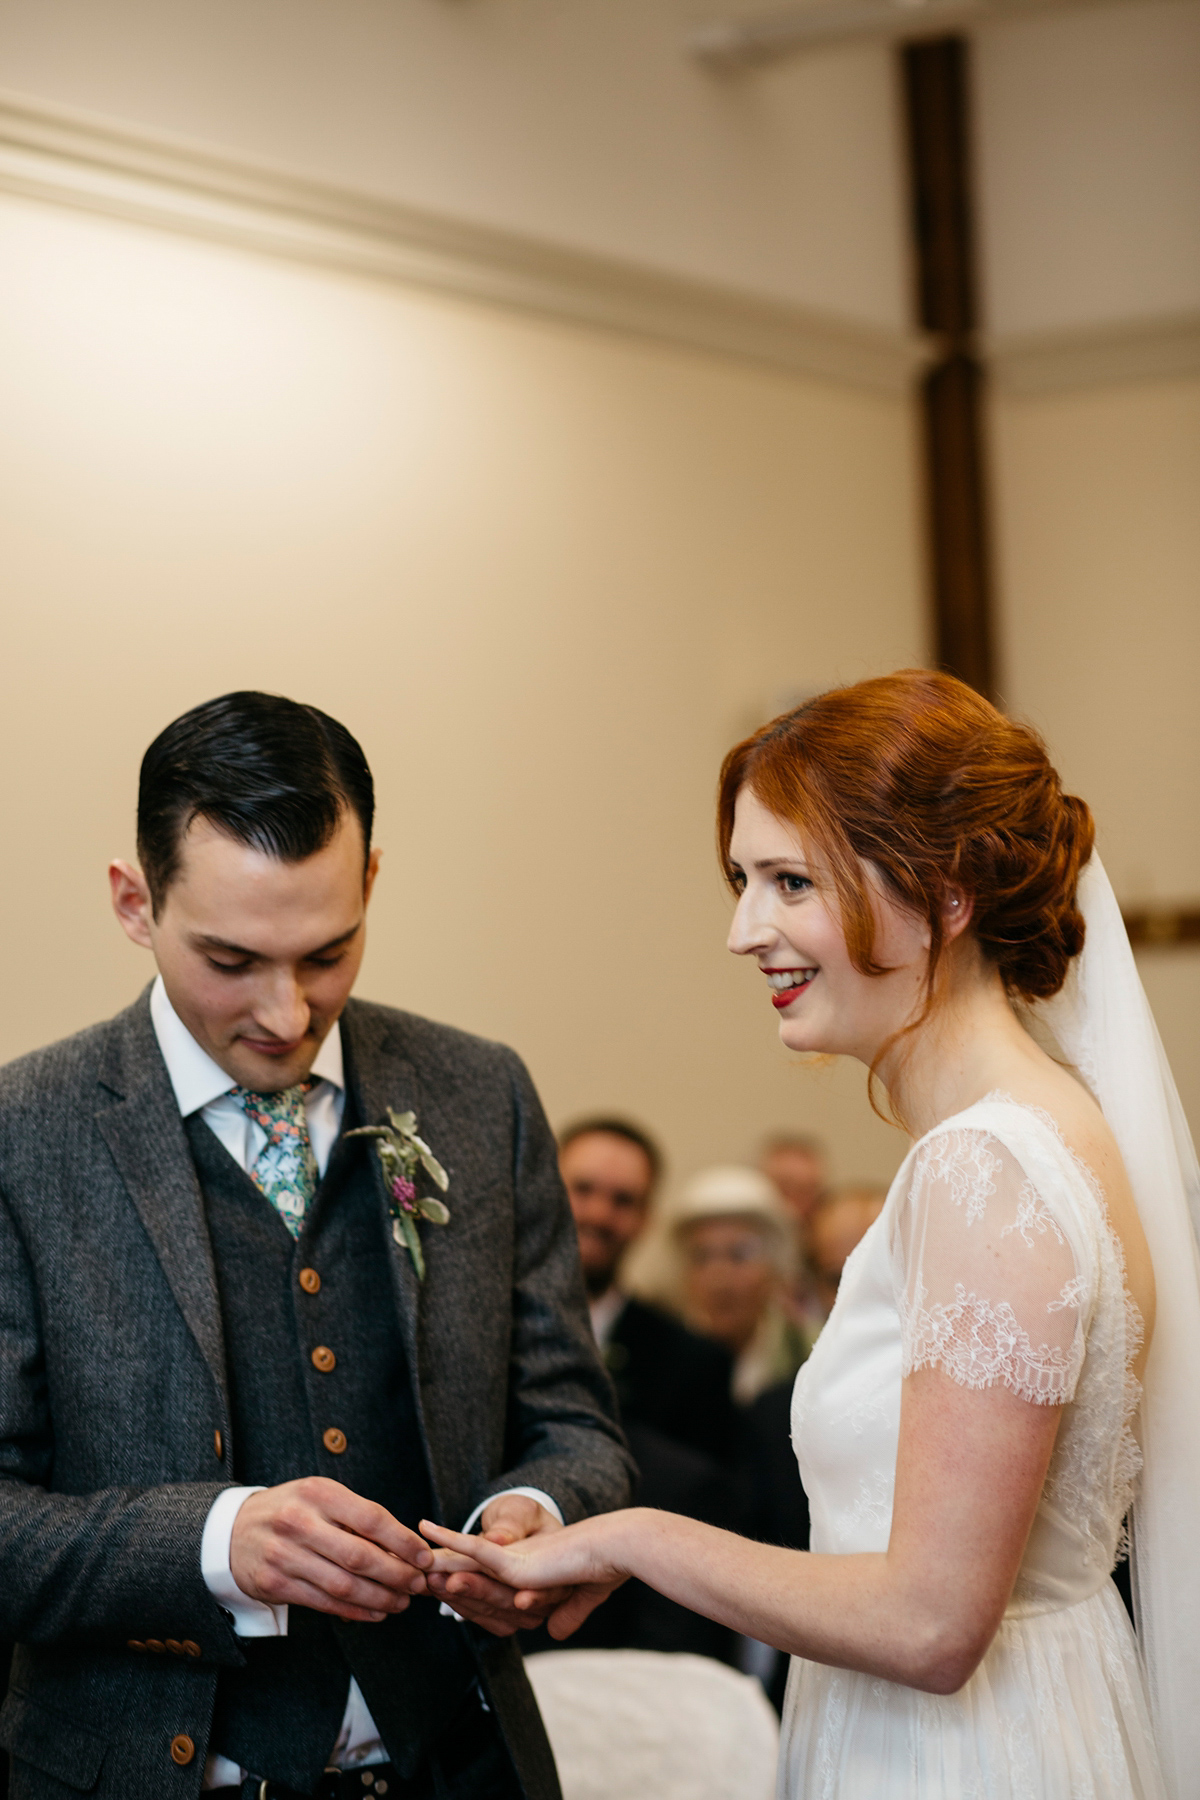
{"x":373,"y":860}
{"x":131,"y":901}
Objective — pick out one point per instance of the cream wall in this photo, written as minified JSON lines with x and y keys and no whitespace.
{"x":1088,"y":166}
{"x":580,"y":122}
{"x":1099,"y":539}
{"x":546,"y":575}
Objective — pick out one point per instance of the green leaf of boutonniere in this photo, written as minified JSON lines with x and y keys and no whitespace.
{"x":401,"y":1152}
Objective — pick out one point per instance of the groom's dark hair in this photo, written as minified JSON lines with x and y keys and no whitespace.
{"x":267,"y":771}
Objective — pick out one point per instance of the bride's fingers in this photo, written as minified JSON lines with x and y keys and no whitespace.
{"x":478,"y":1551}
{"x":449,"y":1540}
{"x":452,"y":1562}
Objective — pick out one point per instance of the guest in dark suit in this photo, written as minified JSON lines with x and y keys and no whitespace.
{"x":673,"y":1387}
{"x":667,"y":1377}
{"x":244,"y":1350}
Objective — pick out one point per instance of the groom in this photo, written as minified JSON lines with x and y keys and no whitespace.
{"x":227,"y":1391}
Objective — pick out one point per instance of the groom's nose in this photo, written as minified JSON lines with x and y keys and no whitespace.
{"x":283,"y":1009}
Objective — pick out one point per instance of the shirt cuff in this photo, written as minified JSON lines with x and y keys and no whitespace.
{"x":251,"y":1618}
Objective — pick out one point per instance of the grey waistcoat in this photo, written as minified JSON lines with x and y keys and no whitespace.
{"x":279,"y":1716}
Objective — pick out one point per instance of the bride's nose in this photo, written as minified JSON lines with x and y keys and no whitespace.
{"x":750,"y":931}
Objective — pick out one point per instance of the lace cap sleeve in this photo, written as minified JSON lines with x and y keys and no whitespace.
{"x":991,"y":1289}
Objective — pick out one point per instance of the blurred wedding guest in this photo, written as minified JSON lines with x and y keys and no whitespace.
{"x":839,"y":1223}
{"x":797,"y":1166}
{"x":666,"y":1376}
{"x":673,"y":1387}
{"x":735,"y":1243}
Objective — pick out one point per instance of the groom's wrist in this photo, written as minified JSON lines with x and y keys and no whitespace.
{"x":529,"y":1493}
{"x":250,"y":1617}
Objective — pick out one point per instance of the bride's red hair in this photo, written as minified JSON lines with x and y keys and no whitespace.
{"x":918,"y":775}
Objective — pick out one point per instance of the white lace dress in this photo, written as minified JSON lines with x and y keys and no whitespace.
{"x":994,"y":1261}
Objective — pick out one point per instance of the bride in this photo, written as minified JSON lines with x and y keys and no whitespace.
{"x":918,"y":892}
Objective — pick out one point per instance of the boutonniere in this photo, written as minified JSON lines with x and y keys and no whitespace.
{"x":401,"y":1153}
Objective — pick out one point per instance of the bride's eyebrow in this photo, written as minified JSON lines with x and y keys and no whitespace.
{"x":782,"y":862}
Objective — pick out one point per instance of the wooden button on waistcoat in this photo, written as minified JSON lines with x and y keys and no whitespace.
{"x":310,"y":1281}
{"x":182,"y":1750}
{"x":136,"y":1644}
{"x":157,"y":1645}
{"x":174,"y":1646}
{"x":191,"y":1648}
{"x":219,"y":1446}
{"x":324,"y":1359}
{"x":334,"y":1440}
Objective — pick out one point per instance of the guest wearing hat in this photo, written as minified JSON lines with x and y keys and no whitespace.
{"x":734,"y":1240}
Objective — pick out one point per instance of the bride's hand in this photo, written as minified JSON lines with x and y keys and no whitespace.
{"x":584,"y":1558}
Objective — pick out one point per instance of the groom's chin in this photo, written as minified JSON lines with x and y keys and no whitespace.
{"x":267,"y":1073}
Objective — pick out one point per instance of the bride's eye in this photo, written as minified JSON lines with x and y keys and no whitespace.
{"x":793,"y":884}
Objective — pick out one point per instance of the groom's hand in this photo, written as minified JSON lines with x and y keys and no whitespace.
{"x":489,"y":1603}
{"x":315,"y":1543}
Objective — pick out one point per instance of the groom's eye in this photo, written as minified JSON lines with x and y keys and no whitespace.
{"x":228,"y":968}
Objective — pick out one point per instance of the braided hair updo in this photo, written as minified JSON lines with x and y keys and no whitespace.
{"x":919,"y":776}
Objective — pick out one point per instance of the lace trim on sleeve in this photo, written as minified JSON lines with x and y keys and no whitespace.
{"x":980,"y":1345}
{"x":989,"y":1221}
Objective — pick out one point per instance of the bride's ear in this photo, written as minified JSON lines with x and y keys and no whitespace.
{"x":958,"y":909}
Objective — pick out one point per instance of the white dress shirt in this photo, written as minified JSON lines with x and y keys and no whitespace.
{"x":604,"y":1314}
{"x":202,"y":1086}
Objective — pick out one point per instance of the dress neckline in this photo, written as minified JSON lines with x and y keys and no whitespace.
{"x":954,"y":1121}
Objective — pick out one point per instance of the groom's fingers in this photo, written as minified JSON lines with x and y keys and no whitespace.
{"x":320,"y":1535}
{"x":320,"y":1587}
{"x":523,"y":1607}
{"x":294,"y":1575}
{"x":357,"y":1556}
{"x":369,"y":1520}
{"x":578,"y":1606}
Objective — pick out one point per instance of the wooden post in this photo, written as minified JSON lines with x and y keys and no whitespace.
{"x":937,"y":102}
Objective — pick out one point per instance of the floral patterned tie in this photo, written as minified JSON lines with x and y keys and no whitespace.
{"x":285,"y":1169}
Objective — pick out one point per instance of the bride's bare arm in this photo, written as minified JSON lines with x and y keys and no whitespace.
{"x":969,"y":1473}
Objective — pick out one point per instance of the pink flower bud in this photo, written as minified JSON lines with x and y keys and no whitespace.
{"x":405,"y":1192}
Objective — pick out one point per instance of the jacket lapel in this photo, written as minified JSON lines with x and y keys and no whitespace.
{"x":383,"y":1077}
{"x":139,"y":1121}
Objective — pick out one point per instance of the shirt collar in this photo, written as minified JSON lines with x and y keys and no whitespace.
{"x":196,"y":1078}
{"x":604,"y":1314}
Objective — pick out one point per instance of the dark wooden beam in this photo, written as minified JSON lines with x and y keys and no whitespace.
{"x":1162,"y":927}
{"x":952,"y":392}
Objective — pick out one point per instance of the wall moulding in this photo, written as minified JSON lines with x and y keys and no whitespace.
{"x":1094,"y":356}
{"x":72,"y":159}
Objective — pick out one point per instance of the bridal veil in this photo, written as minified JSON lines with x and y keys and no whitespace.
{"x":1102,"y":1025}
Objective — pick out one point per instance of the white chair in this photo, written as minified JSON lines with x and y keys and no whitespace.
{"x":641,"y":1725}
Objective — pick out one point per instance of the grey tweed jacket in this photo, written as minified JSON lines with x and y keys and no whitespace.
{"x":114,"y":1398}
